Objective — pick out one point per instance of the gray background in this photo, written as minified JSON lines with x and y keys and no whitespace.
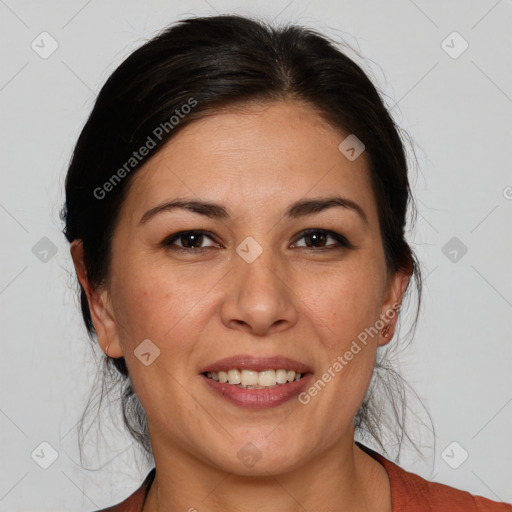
{"x":459,"y":112}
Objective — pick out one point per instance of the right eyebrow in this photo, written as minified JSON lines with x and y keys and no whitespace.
{"x":211,"y":210}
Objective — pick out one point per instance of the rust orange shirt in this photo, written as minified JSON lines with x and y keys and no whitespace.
{"x":409,"y":493}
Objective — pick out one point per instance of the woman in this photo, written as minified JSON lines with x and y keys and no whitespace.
{"x":236,"y":206}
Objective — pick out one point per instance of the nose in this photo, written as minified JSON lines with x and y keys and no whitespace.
{"x":258,"y":299}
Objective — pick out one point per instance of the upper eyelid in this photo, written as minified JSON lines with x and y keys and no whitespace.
{"x":176,"y":236}
{"x":335,"y":235}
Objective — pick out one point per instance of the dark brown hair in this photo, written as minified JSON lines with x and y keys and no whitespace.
{"x":218,"y":62}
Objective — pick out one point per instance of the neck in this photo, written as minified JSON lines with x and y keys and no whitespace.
{"x":344,"y":478}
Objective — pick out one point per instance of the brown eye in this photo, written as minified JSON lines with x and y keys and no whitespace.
{"x":318,"y":238}
{"x":188,"y":240}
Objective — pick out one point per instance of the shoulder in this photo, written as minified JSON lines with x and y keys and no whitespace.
{"x":135,"y":501}
{"x":412,"y":492}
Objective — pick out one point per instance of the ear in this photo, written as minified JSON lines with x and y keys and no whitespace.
{"x":397,"y":284}
{"x":99,"y":305}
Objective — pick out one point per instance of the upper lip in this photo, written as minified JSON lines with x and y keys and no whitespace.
{"x":258,"y":364}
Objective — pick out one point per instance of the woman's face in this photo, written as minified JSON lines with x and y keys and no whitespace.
{"x":251,"y":285}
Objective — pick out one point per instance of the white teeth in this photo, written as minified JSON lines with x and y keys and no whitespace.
{"x":249,"y":378}
{"x":253,"y":379}
{"x":234,"y":377}
{"x":281,"y":376}
{"x":267,"y":378}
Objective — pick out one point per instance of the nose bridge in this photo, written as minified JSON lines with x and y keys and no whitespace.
{"x":259,"y":297}
{"x":259,"y":277}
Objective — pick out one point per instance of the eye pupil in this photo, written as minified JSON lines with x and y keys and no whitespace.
{"x":316,"y":237}
{"x":191,"y":239}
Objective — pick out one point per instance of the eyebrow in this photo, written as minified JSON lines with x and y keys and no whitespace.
{"x":296,"y":210}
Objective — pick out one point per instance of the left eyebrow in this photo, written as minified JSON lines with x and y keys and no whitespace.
{"x":311,"y":206}
{"x":296,"y":210}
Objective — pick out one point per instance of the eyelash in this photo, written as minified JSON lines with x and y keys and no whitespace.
{"x":342,"y":242}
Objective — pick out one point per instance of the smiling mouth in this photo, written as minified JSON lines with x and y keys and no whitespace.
{"x":252,"y":379}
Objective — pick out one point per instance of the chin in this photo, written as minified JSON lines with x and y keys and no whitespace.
{"x":251,"y":458}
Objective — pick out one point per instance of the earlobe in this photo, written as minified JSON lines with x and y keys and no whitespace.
{"x":100,"y":306}
{"x":392,"y":304}
{"x":104,"y":323}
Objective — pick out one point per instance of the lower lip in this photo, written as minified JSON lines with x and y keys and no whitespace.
{"x":259,"y":398}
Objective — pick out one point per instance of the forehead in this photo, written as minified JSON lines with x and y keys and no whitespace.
{"x":255,"y":156}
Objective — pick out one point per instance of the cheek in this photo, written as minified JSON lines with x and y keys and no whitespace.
{"x":170,"y":312}
{"x":154,"y":304}
{"x":346,"y":302}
